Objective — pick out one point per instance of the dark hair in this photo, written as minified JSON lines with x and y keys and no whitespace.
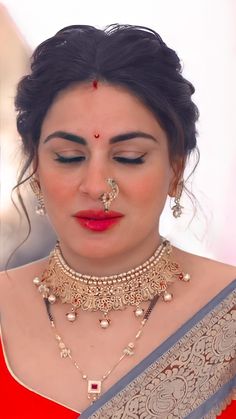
{"x":133,"y":57}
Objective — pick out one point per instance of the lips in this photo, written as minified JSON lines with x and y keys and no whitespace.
{"x":97,"y":220}
{"x":98,"y":214}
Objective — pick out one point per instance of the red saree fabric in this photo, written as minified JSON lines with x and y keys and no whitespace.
{"x":229,"y":412}
{"x":17,"y":401}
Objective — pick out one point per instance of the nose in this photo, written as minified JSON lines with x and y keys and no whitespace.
{"x":94,"y":180}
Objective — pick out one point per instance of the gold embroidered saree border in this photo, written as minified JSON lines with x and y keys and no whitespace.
{"x":186,"y":376}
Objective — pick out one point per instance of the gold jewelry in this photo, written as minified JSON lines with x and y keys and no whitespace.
{"x":107,"y":197}
{"x":147,"y":281}
{"x":40,"y":208}
{"x":177,"y":208}
{"x":94,"y":388}
{"x":107,"y":293}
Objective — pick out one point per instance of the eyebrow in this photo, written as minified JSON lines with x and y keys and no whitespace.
{"x":116,"y":139}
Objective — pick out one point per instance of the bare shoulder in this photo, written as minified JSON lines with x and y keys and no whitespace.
{"x":15,"y":282}
{"x":206,"y":273}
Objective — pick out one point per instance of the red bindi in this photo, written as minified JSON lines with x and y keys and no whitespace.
{"x":95,"y":84}
{"x":96,"y":135}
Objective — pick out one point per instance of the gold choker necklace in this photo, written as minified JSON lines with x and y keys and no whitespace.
{"x":107,"y":293}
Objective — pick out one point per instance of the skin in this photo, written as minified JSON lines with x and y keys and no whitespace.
{"x":69,"y":188}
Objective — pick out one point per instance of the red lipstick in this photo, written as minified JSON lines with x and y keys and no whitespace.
{"x":97,"y":220}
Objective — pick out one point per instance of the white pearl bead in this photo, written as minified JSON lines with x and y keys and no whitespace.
{"x":177,"y":213}
{"x":138,"y":312}
{"x":104,"y":324}
{"x":167,"y":296}
{"x":40,"y":211}
{"x":42,"y":288}
{"x":187,"y":277}
{"x":71,"y":317}
{"x":36,"y":280}
{"x":52,"y":298}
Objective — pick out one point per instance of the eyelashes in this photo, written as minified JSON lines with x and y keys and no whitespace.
{"x":124,"y":160}
{"x":63,"y":159}
{"x":79,"y":159}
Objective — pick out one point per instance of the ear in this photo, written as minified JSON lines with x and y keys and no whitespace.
{"x":34,"y":166}
{"x":178,"y":166}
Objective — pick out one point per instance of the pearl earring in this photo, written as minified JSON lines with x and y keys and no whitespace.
{"x":40,"y":207}
{"x":177,"y":208}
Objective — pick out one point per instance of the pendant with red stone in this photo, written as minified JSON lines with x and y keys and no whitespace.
{"x":94,"y":389}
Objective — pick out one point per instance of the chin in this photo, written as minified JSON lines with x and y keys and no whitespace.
{"x":93,"y":247}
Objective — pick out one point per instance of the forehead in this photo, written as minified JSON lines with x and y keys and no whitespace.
{"x":107,"y":109}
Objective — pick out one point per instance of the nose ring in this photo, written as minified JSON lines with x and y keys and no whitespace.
{"x":107,"y":197}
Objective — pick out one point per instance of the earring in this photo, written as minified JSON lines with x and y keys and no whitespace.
{"x":107,"y":197}
{"x":177,"y":208}
{"x":40,"y":207}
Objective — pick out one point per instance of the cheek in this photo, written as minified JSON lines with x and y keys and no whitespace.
{"x":56,"y":187}
{"x":151,"y":188}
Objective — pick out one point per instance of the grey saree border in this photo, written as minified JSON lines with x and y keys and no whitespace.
{"x":213,"y":401}
{"x":158,"y":352}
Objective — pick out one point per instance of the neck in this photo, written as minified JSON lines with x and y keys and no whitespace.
{"x":113,"y":264}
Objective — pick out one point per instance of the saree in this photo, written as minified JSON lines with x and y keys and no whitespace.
{"x":190,"y":375}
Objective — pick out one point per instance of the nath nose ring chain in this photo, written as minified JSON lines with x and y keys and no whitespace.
{"x":108,"y":197}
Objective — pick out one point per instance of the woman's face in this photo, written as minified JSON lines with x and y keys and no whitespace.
{"x":73,"y":172}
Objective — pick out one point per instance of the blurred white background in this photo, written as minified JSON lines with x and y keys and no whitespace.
{"x":203,"y":33}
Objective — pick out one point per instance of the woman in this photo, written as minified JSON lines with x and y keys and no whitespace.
{"x":124,"y":324}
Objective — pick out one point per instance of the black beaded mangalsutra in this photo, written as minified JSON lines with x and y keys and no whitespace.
{"x":150,"y":307}
{"x":47,"y":304}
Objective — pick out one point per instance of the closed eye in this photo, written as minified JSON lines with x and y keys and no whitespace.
{"x":125,"y":160}
{"x":78,"y":159}
{"x":63,"y":159}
